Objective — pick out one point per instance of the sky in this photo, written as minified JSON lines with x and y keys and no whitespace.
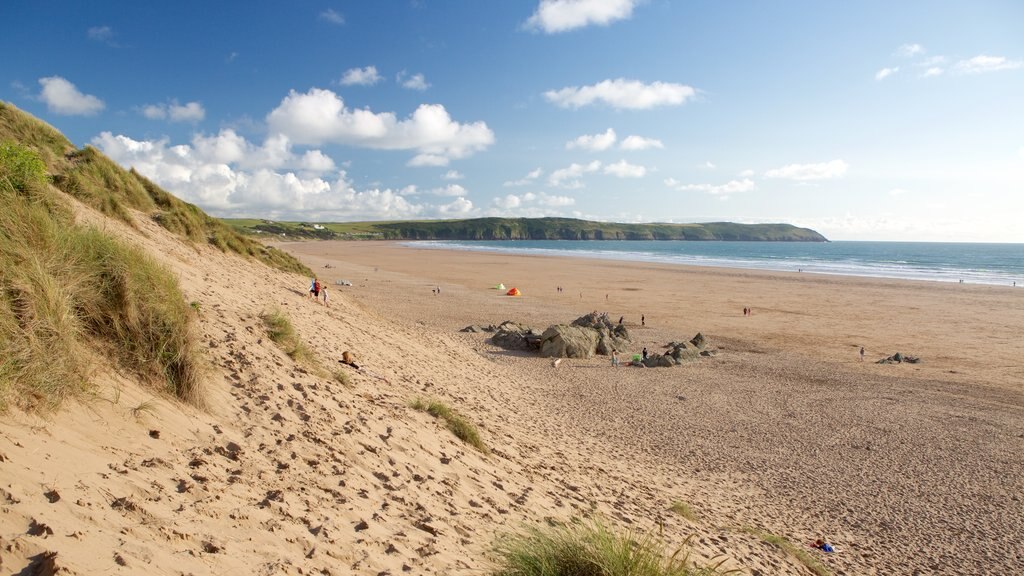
{"x":867,"y":120}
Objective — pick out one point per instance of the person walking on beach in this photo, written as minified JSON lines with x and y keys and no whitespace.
{"x":643,"y":321}
{"x":861,"y":353}
{"x":312,"y":286}
{"x":615,"y":359}
{"x":323,"y":291}
{"x":644,"y":354}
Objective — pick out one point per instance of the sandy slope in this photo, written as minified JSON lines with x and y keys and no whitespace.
{"x":290,"y":472}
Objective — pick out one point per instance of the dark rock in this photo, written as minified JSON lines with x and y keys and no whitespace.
{"x":564,"y":341}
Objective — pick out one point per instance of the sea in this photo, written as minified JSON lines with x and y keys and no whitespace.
{"x":975,"y":263}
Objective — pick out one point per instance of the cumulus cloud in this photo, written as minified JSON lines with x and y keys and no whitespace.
{"x":188,"y":112}
{"x":622,"y":93}
{"x":367,"y":76}
{"x":449,"y":190}
{"x":724,"y":190}
{"x":804,"y":172}
{"x":414,"y":82}
{"x":527,"y":180}
{"x":569,"y":177}
{"x":910,"y":50}
{"x":593,"y":142}
{"x":332,"y":16}
{"x":983,"y":63}
{"x":221,"y":174}
{"x":62,"y":97}
{"x":452,"y":175}
{"x":553,"y":16}
{"x":886,"y":72}
{"x":530,"y":204}
{"x":458,"y":207}
{"x":932,"y":72}
{"x":624,"y":169}
{"x":640,"y":143}
{"x":320,"y":116}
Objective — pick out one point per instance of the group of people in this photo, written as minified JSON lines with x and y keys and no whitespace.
{"x":748,"y":311}
{"x":318,"y":291}
{"x":615,"y":357}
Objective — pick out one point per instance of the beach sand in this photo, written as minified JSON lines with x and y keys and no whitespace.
{"x":319,"y":468}
{"x":908,"y":468}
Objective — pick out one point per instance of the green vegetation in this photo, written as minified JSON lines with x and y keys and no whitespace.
{"x":281,"y":331}
{"x":341,"y":377}
{"x":684,"y":510}
{"x":96,"y":181}
{"x":463,"y":429}
{"x":527,"y":229}
{"x":67,"y":291}
{"x":798,"y":552}
{"x":589,"y":549}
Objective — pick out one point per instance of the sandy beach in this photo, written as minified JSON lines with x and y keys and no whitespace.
{"x":908,"y":468}
{"x":317,"y":468}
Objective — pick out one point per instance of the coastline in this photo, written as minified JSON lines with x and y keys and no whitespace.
{"x":785,"y":429}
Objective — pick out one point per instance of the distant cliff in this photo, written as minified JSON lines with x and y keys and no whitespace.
{"x":529,"y":229}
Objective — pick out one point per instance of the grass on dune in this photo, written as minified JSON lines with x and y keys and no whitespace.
{"x":684,"y":510}
{"x":281,"y":331}
{"x":68,"y":291}
{"x":590,"y":549}
{"x":802,"y":555}
{"x":462,"y":429}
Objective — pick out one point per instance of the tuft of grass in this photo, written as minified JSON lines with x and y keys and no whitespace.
{"x":281,"y":331}
{"x":590,"y":549}
{"x":463,"y":429}
{"x":342,"y":378}
{"x":144,"y":408}
{"x":66,"y":290}
{"x":684,"y":510}
{"x":798,"y":552}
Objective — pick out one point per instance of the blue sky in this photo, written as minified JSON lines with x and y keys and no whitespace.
{"x":863,"y":120}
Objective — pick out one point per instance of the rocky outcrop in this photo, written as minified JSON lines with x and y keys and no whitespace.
{"x":566,"y":341}
{"x":512,"y":336}
{"x":680,"y":352}
{"x":898,"y":358}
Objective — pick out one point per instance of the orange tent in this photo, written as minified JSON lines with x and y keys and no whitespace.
{"x":514,"y":292}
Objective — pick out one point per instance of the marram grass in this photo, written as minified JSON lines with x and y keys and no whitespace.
{"x":590,"y":548}
{"x":281,"y":331}
{"x":462,"y":429}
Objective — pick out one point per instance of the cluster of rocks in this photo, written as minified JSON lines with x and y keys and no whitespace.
{"x":585,"y":337}
{"x":898,"y":358}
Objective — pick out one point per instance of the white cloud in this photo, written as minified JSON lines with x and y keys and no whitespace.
{"x":640,"y":143}
{"x":624,"y":169}
{"x":360,"y":76}
{"x":910,"y":50}
{"x":449,"y":190}
{"x":709,"y":165}
{"x":932,"y":72}
{"x":746,"y":174}
{"x":533,"y":205}
{"x":425,"y":160}
{"x":622,"y":93}
{"x":414,"y":82}
{"x":452,"y":175}
{"x":529,"y":179}
{"x":189,"y":112}
{"x":103,"y":34}
{"x":724,"y":190}
{"x":332,"y":16}
{"x":458,"y":207}
{"x":984,"y":63}
{"x":62,"y":97}
{"x":804,"y":172}
{"x":593,"y":142}
{"x":219,"y":174}
{"x":316,"y":162}
{"x":569,"y":177}
{"x":553,"y":16}
{"x":320,"y":116}
{"x":885,"y":73}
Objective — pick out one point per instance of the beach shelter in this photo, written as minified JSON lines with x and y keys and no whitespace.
{"x":514,"y":292}
{"x":499,"y":287}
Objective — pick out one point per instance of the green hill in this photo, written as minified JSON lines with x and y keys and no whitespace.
{"x":528,"y":229}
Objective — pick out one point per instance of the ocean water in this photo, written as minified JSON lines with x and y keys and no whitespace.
{"x":998,"y":264}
